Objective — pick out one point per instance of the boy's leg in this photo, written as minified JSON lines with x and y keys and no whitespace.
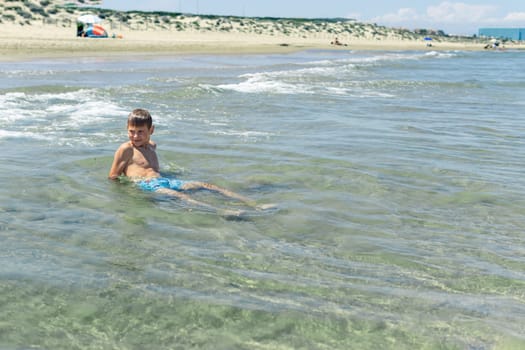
{"x":181,"y":196}
{"x":195,"y":185}
{"x":188,"y":199}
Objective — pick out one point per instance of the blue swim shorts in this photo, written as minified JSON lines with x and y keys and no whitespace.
{"x":157,"y":183}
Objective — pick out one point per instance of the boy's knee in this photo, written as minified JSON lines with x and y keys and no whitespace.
{"x":192,"y":185}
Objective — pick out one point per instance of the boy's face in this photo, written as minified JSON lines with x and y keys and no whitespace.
{"x":139,"y":135}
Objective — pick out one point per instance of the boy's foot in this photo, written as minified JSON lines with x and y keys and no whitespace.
{"x":266,"y":206}
{"x":233,"y":214}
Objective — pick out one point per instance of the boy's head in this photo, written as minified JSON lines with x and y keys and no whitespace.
{"x":140,"y":127}
{"x":140,"y":117}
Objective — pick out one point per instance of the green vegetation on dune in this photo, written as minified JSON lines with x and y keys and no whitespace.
{"x":29,"y":12}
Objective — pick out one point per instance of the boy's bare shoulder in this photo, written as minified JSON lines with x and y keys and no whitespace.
{"x":126,"y":145}
{"x":125,"y":149}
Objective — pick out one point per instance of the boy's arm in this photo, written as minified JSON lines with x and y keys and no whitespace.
{"x":120,"y":161}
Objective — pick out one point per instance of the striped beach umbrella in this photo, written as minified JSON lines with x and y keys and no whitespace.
{"x":89,"y":19}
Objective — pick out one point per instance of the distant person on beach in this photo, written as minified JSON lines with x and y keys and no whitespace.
{"x":80,"y":29}
{"x":495,"y":45}
{"x":337,"y":42}
{"x":137,"y":159}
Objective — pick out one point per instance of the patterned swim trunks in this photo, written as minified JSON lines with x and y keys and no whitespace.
{"x":157,"y":183}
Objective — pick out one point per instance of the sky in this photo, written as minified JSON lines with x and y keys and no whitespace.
{"x":461,"y":17}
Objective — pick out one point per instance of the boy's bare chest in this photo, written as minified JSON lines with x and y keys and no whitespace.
{"x":145,"y":158}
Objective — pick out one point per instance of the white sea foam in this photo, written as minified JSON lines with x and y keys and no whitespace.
{"x":25,"y":73}
{"x":314,"y":80}
{"x":340,"y":76}
{"x":243,"y":133}
{"x":357,"y":60}
{"x":266,"y":83}
{"x":440,"y":54}
{"x":291,"y":81}
{"x":357,"y":93}
{"x":6,"y":134}
{"x":42,"y":115}
{"x":321,"y":76}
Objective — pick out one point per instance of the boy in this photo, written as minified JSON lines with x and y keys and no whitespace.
{"x":137,"y":159}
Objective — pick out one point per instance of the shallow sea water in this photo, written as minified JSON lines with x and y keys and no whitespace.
{"x":398,"y":179}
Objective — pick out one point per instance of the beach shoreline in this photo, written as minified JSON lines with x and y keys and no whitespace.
{"x":20,"y":42}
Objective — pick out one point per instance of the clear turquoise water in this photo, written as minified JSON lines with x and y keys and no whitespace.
{"x":399,"y":180}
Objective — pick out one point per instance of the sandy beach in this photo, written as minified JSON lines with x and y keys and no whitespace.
{"x":23,"y":41}
{"x":153,"y":34}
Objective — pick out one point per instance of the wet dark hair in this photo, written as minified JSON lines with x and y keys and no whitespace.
{"x":140,"y":117}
